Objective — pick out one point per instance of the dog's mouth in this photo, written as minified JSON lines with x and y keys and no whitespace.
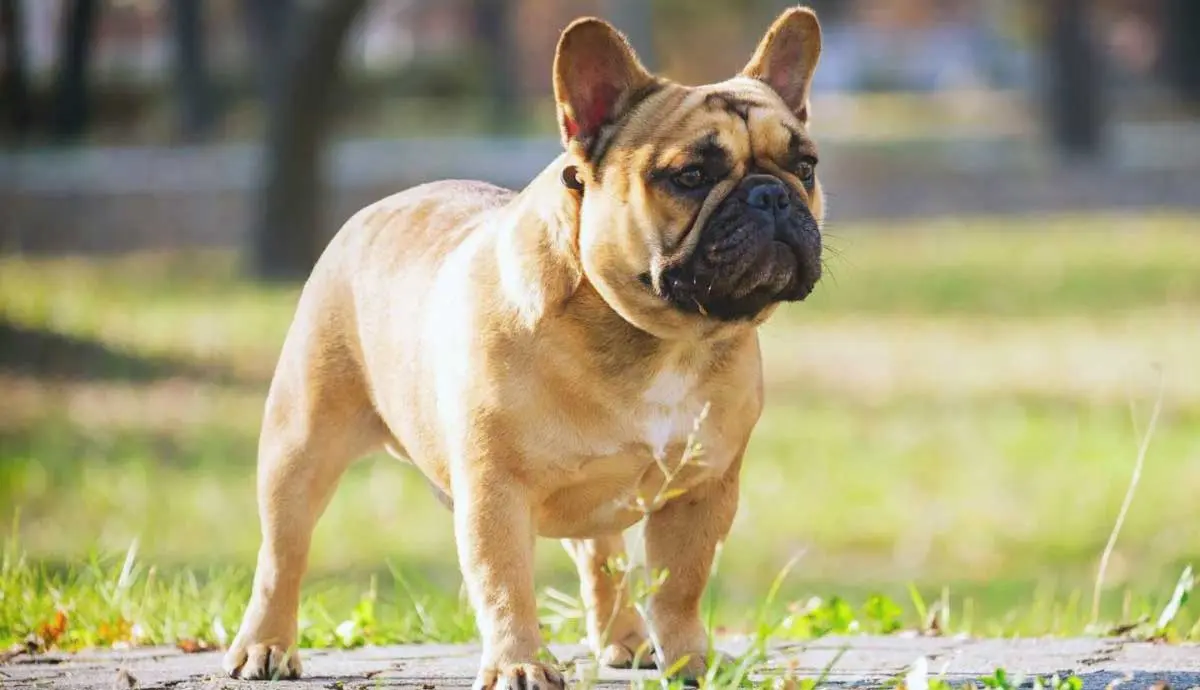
{"x":744,"y":263}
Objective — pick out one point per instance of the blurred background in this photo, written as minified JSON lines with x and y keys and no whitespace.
{"x":1014,"y":274}
{"x":133,"y":109}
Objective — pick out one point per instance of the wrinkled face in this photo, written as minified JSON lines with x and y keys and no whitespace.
{"x":700,"y":204}
{"x":719,"y":186}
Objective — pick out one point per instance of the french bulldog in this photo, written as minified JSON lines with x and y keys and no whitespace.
{"x":542,"y":355}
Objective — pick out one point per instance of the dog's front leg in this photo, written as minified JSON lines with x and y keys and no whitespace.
{"x":681,"y":538}
{"x":495,"y":532}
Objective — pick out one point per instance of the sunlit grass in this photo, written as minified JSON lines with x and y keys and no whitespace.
{"x":951,"y":408}
{"x":1074,"y":266}
{"x":118,"y":599}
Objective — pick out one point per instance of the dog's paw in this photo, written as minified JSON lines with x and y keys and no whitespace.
{"x":527,"y":676}
{"x":261,"y":662}
{"x":692,"y":667}
{"x":633,"y":649}
{"x":621,"y":642}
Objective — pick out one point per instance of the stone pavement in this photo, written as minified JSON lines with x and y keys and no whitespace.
{"x":864,"y":662}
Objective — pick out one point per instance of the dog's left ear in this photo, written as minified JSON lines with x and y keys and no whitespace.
{"x":597,"y":77}
{"x":787,"y":56}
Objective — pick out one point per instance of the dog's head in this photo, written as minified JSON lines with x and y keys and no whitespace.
{"x":699,"y":204}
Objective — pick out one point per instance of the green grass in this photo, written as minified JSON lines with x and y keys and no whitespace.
{"x":951,"y":410}
{"x":1015,"y":267}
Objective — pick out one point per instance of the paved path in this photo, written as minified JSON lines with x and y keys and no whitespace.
{"x":864,"y":662}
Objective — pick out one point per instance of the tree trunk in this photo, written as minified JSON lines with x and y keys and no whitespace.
{"x":1181,"y":59}
{"x":14,"y":82}
{"x":493,"y":26}
{"x":71,"y":93}
{"x":1074,"y":80}
{"x":266,"y":25}
{"x":197,"y":111}
{"x":288,"y":238}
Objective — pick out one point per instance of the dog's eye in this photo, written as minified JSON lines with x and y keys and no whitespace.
{"x":692,"y":177}
{"x":807,"y":171}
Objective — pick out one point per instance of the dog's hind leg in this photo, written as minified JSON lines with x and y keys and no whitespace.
{"x":616,"y":631}
{"x":317,"y":421}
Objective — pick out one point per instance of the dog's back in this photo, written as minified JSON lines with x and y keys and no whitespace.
{"x":418,"y":224}
{"x":377,"y":275}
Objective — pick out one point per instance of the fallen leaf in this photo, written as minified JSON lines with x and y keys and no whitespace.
{"x":49,"y":633}
{"x":193,"y":646}
{"x":117,"y":633}
{"x":29,"y":646}
{"x":1123,"y":629}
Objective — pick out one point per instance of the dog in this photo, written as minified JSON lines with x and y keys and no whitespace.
{"x":542,"y":356}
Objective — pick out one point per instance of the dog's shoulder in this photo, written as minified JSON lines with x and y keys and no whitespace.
{"x":419,"y":223}
{"x":433,"y":207}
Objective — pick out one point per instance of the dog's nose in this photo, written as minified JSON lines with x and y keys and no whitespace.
{"x":768,"y":193}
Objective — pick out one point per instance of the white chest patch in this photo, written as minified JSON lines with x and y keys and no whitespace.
{"x":669,"y":416}
{"x":668,"y":389}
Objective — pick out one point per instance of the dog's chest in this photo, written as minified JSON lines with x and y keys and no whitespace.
{"x":650,"y":429}
{"x":667,"y":413}
{"x":616,"y":456}
{"x":617,"y":463}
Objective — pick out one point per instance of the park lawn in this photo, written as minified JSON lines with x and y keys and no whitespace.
{"x":958,"y":408}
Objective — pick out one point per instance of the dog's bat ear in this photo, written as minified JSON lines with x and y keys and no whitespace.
{"x":597,"y":77}
{"x":787,"y":56}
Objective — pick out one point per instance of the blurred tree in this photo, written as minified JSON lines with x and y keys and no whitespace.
{"x":266,"y":21}
{"x":493,"y":27}
{"x":1075,"y":104}
{"x":825,"y":9}
{"x":1181,"y":61}
{"x":14,"y":81}
{"x":288,"y":236}
{"x":635,"y":18}
{"x":71,"y":105}
{"x":195,"y":93}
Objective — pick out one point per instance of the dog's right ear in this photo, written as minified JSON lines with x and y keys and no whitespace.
{"x":597,"y":77}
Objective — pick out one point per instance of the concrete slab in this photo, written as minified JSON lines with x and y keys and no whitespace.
{"x":845,"y":662}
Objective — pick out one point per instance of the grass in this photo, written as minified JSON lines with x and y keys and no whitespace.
{"x":949,"y":415}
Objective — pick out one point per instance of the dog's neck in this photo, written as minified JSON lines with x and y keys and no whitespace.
{"x":536,"y":249}
{"x":541,"y":273}
{"x":541,"y":269}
